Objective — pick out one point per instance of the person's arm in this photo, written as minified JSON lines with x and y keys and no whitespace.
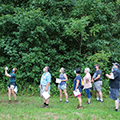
{"x":39,"y":86}
{"x":92,"y":80}
{"x":7,"y":73}
{"x":77,"y":84}
{"x":66,"y":78}
{"x":87,"y":79}
{"x":111,"y":76}
{"x":97,"y":77}
{"x":47,"y":86}
{"x":108,"y":76}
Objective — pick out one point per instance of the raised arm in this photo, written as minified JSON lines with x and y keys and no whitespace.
{"x":7,"y":73}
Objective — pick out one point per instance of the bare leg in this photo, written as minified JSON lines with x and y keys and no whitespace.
{"x":60,"y":94}
{"x":66,"y":95}
{"x":97,"y":94}
{"x":116,"y":104}
{"x":88,"y":100}
{"x":9,"y":93}
{"x":100,"y":93}
{"x":47,"y":101}
{"x":80,"y":101}
{"x":44,"y":101}
{"x":14,"y":94}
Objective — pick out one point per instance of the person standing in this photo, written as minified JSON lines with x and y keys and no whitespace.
{"x":62,"y":86}
{"x":77,"y":85}
{"x":45,"y":85}
{"x":114,"y":84}
{"x":97,"y":79}
{"x":12,"y":83}
{"x":87,"y":83}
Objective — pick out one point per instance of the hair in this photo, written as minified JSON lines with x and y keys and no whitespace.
{"x":63,"y":69}
{"x":48,"y":68}
{"x":97,"y":65}
{"x":88,"y":69}
{"x":15,"y":70}
{"x":77,"y":70}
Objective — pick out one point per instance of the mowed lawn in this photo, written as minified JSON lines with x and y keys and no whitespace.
{"x":28,"y":108}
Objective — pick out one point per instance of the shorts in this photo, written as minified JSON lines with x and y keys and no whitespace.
{"x":114,"y":93}
{"x":62,"y":86}
{"x":42,"y":89}
{"x":97,"y":85}
{"x":77,"y":95}
{"x":88,"y":93}
{"x":12,"y":85}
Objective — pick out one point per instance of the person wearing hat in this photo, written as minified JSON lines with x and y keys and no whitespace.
{"x":97,"y":79}
{"x":45,"y":85}
{"x":114,"y":84}
{"x":62,"y":86}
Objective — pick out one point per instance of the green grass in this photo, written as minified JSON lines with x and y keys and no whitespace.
{"x":29,"y":108}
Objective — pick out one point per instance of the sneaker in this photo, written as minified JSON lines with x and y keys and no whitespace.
{"x":116,"y":110}
{"x":87,"y":103}
{"x":79,"y":107}
{"x":43,"y":106}
{"x":101,"y":101}
{"x":66,"y":101}
{"x":46,"y":107}
{"x":9,"y":101}
{"x":60,"y":100}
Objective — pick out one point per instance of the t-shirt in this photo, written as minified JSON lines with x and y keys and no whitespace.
{"x":46,"y":77}
{"x":114,"y":83}
{"x":75,"y":81}
{"x":12,"y":78}
{"x":87,"y":81}
{"x":61,"y":76}
{"x":96,"y":73}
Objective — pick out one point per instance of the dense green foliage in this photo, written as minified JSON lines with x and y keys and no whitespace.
{"x":57,"y":33}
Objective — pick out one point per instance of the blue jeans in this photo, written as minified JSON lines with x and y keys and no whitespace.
{"x":88,"y":93}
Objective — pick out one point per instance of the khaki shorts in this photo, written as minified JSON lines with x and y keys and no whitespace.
{"x":114,"y":93}
{"x":97,"y":85}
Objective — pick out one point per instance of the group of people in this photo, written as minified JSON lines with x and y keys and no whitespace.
{"x":44,"y":86}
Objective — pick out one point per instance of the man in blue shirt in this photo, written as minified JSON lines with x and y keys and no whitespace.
{"x":45,"y":85}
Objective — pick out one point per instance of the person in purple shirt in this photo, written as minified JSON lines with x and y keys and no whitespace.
{"x":77,"y":85}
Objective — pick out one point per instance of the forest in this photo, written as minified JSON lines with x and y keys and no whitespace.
{"x":57,"y":33}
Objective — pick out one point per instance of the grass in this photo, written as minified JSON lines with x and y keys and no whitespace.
{"x":28,"y":108}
